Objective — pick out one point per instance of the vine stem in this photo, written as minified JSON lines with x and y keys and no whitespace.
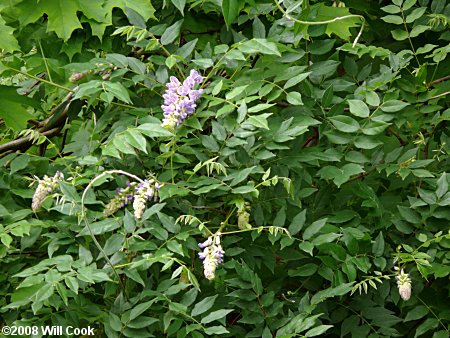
{"x":432,"y":312}
{"x":167,"y":53}
{"x":40,"y":79}
{"x":86,"y":222}
{"x":318,"y":23}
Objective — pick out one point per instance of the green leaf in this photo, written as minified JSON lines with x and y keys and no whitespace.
{"x":294,"y":98}
{"x":215,"y":315}
{"x":391,"y":9}
{"x":44,"y":293}
{"x":135,"y":139}
{"x":118,"y":90}
{"x":216,"y":330}
{"x":325,"y":238}
{"x":259,"y":46}
{"x":415,"y":14}
{"x":230,"y":10}
{"x":143,"y":7}
{"x":378,"y":245}
{"x":409,"y":215}
{"x":92,"y":10}
{"x":204,"y":305}
{"x":416,"y":313}
{"x":295,"y":80}
{"x":8,"y":42}
{"x":331,"y":292}
{"x":314,"y":228}
{"x":372,"y":99}
{"x":307,"y":247}
{"x":374,"y":128}
{"x":399,"y":34}
{"x":422,"y":173}
{"x":171,"y":33}
{"x":259,"y":107}
{"x":297,"y":222}
{"x":327,"y":97}
{"x":340,"y":27}
{"x":358,"y":108}
{"x":62,"y":17}
{"x":203,"y":62}
{"x":260,"y":121}
{"x":427,"y":325}
{"x":437,"y":6}
{"x":179,"y":4}
{"x":6,"y":239}
{"x":237,"y":91}
{"x":122,"y":145}
{"x":318,"y":330}
{"x":442,"y":186}
{"x":408,"y":4}
{"x":304,"y":270}
{"x":366,"y":142}
{"x":13,"y":108}
{"x":417,"y":30}
{"x":280,"y":218}
{"x":153,"y":130}
{"x":395,"y":19}
{"x":345,"y":124}
{"x":19,"y":163}
{"x":259,"y":30}
{"x":141,"y":308}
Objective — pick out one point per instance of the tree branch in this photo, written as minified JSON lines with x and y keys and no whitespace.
{"x":51,"y":126}
{"x":24,"y":142}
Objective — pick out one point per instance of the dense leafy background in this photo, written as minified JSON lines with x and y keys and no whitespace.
{"x":337,"y":151}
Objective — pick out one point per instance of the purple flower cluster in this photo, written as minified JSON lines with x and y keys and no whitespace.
{"x":123,"y":197}
{"x":179,"y":99}
{"x":212,"y":255}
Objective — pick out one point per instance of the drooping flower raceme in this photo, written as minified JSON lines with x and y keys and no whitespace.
{"x":403,"y":284}
{"x":46,"y":186}
{"x":212,"y":255}
{"x":136,"y":194}
{"x":179,"y":99}
{"x":144,"y":192}
{"x":124,"y":196}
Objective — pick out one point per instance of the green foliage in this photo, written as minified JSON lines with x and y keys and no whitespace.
{"x":317,"y":154}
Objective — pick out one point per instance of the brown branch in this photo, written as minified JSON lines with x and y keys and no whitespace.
{"x":437,"y":96}
{"x":51,"y":126}
{"x":445,"y":78}
{"x":24,"y":142}
{"x":312,"y":140}
{"x":434,"y":97}
{"x":357,"y":177}
{"x":397,"y":135}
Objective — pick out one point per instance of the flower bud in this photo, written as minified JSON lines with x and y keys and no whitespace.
{"x":404,"y":285}
{"x":46,"y":186}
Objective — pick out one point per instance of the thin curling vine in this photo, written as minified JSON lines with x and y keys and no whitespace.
{"x":318,"y":23}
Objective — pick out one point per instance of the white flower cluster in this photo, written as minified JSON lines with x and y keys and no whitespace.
{"x":136,"y":193}
{"x":143,"y":193}
{"x":46,"y":186}
{"x":212,"y":255}
{"x":403,"y":284}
